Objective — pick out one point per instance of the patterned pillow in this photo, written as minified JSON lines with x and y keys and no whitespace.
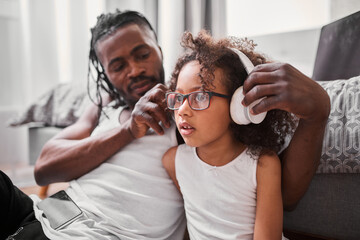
{"x":341,"y":145}
{"x":59,"y":107}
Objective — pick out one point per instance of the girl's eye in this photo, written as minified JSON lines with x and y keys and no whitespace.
{"x":178,"y":99}
{"x":200,"y":97}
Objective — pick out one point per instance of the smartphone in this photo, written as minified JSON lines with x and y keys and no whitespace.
{"x":59,"y":209}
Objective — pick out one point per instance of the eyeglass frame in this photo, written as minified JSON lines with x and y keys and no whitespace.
{"x":186,"y":96}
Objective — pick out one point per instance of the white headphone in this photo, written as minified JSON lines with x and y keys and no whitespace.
{"x":240,"y":114}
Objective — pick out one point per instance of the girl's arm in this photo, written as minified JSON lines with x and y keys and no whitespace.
{"x":269,"y":208}
{"x":168,"y":161}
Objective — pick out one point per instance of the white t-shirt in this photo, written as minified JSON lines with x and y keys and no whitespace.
{"x":130,"y":196}
{"x":220,"y":202}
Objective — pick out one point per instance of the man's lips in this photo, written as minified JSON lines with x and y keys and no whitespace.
{"x":141,"y":87}
{"x":186,"y":129}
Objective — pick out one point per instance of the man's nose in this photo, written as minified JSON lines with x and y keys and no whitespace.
{"x":136,"y":69}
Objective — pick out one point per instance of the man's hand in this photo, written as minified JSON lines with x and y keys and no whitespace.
{"x":287,"y":89}
{"x":149,"y":111}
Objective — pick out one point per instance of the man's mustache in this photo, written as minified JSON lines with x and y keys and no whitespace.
{"x":135,"y":80}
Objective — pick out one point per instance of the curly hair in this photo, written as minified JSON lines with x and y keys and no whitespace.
{"x":106,"y":25}
{"x":211,"y":54}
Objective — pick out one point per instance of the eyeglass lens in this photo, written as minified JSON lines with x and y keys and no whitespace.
{"x":196,"y":100}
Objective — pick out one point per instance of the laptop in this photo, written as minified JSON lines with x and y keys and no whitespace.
{"x":338,"y":53}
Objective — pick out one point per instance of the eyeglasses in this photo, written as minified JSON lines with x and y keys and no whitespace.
{"x":196,"y":100}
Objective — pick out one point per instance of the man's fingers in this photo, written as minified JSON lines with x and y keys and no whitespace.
{"x":159,"y":114}
{"x":260,"y":91}
{"x":150,"y":121}
{"x":258,"y":78}
{"x":266,"y":104}
{"x":155,"y":114}
{"x":150,"y":110}
{"x":265,"y":74}
{"x":268,"y":67}
{"x":157,"y":95}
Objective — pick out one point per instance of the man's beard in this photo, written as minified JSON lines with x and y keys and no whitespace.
{"x":130,"y":100}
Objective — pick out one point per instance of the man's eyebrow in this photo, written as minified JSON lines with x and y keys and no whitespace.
{"x":139,"y":47}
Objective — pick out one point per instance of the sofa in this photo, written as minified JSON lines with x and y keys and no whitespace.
{"x":56,"y":109}
{"x":330,"y":209}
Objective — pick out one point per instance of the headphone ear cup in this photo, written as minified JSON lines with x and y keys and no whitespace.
{"x":237,"y":110}
{"x":240,"y":114}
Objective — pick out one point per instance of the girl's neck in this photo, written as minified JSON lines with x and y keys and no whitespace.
{"x":216,"y":154}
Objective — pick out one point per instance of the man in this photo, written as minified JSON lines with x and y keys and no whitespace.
{"x":120,"y":183}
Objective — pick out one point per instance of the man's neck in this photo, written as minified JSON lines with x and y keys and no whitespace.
{"x":125,"y":115}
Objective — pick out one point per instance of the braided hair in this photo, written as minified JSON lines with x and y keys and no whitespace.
{"x":106,"y":25}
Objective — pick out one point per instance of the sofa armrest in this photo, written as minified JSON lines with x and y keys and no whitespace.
{"x":38,"y":136}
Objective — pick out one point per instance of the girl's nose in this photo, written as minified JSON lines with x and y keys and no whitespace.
{"x":184,"y":109}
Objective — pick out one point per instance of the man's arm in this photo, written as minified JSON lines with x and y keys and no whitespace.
{"x":288,"y":89}
{"x":300,"y":160}
{"x":73,"y":152}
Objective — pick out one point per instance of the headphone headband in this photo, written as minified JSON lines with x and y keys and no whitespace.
{"x":248,"y":65}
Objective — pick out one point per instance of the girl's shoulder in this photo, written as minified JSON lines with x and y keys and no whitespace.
{"x":267,"y":155}
{"x":268,"y":163}
{"x":169,"y":155}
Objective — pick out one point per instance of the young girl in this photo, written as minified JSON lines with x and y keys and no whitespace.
{"x":229,"y":174}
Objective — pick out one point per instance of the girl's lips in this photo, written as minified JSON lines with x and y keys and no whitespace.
{"x":185,"y":129}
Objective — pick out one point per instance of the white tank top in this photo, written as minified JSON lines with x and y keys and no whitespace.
{"x":130,"y":196}
{"x":220,"y":202}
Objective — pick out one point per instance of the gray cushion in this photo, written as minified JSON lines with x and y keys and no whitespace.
{"x":60,"y":107}
{"x":341,"y":146}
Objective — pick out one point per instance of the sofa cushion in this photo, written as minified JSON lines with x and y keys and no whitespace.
{"x":59,"y":107}
{"x":330,"y":208}
{"x":341,"y":145}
